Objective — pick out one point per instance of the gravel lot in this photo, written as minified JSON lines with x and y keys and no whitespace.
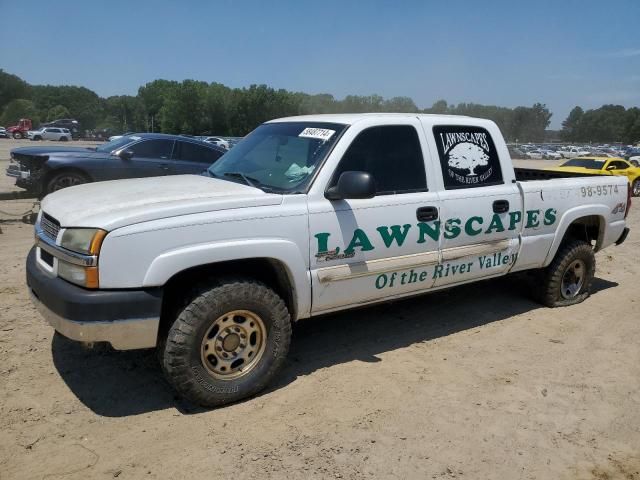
{"x":474,"y":382}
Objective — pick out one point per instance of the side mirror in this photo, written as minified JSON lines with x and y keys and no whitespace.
{"x":126,"y":154}
{"x":352,"y":185}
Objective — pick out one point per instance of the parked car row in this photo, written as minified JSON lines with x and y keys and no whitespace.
{"x":558,"y":152}
{"x":42,"y":170}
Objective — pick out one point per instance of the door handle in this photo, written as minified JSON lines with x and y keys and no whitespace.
{"x":164,"y":166}
{"x":426,"y":214}
{"x":500,"y":206}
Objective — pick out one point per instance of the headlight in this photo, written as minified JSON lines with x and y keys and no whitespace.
{"x":83,"y":240}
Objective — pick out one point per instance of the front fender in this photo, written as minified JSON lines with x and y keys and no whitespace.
{"x":171,"y":262}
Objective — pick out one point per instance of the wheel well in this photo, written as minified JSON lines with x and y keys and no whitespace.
{"x":269,"y":271}
{"x":52,"y":173}
{"x":588,"y":229}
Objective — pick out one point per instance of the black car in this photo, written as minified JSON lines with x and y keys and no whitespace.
{"x":43,"y":170}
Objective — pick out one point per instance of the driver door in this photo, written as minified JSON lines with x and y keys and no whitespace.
{"x":151,"y":158}
{"x":365,"y":250}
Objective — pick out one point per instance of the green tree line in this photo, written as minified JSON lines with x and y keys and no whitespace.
{"x":609,"y":123}
{"x":201,"y":108}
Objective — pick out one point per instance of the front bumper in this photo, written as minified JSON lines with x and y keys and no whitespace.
{"x":127,"y":319}
{"x":13,"y":170}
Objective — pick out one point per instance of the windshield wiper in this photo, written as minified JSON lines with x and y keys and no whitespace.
{"x":248,"y":180}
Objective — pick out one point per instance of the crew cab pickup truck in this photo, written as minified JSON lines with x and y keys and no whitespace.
{"x":305,"y":216}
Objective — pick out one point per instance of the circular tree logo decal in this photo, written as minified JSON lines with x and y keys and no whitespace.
{"x":467,"y":155}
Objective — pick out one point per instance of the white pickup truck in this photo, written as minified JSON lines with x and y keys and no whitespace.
{"x":305,"y":216}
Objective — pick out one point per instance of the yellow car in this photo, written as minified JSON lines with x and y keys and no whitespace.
{"x":603,"y":166}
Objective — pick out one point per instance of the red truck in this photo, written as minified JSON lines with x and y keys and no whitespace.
{"x":20,"y":130}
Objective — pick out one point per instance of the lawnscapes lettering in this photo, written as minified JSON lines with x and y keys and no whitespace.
{"x":423,"y":232}
{"x":451,"y":139}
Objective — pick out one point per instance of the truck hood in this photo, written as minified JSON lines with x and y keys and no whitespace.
{"x":115,"y":204}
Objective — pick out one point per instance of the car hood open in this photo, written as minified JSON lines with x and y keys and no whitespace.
{"x":111,"y":205}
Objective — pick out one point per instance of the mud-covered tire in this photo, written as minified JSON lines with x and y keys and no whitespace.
{"x":567,"y":280}
{"x":182,"y":356}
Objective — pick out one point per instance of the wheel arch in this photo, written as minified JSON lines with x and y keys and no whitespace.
{"x":271,"y":271}
{"x":57,"y":169}
{"x":587,"y":223}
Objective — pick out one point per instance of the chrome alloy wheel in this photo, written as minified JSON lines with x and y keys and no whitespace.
{"x":573,"y":279}
{"x":233,"y":345}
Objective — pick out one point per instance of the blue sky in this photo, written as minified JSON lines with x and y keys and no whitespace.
{"x":562,"y":53}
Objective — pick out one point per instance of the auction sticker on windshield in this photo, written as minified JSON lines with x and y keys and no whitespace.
{"x":323,"y":134}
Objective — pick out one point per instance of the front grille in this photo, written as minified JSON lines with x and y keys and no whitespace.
{"x":50,"y":226}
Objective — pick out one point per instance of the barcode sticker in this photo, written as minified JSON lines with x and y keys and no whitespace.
{"x":323,"y":134}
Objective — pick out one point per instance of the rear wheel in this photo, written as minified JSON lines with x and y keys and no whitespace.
{"x":63,"y":139}
{"x":228,"y":343}
{"x":65,"y":179}
{"x":635,"y":187}
{"x":567,"y":280}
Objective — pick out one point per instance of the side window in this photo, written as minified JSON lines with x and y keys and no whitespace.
{"x":391,"y":154}
{"x":153,"y":149}
{"x":192,"y":152}
{"x":468,"y":157}
{"x":618,"y":165}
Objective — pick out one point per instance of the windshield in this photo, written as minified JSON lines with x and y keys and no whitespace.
{"x":116,"y":144}
{"x":279,"y":156}
{"x":584,"y":163}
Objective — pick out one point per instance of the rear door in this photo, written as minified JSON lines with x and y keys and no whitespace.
{"x":190,"y":157}
{"x":365,"y":250}
{"x":481,"y":206}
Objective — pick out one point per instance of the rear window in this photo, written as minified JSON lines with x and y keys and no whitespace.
{"x":192,"y":152}
{"x":584,"y":163}
{"x":468,"y":157}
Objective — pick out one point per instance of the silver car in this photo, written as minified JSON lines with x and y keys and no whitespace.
{"x":50,"y":133}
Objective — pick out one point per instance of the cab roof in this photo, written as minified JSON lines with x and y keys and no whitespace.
{"x":351,"y":118}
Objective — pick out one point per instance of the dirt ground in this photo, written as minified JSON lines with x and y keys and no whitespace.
{"x":475,"y":382}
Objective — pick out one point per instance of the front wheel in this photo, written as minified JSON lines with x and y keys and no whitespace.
{"x":635,"y":187}
{"x":228,"y":343}
{"x":17,"y":135}
{"x":567,"y":280}
{"x":65,"y":179}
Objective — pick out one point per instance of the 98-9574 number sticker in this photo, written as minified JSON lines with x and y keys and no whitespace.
{"x":599,"y":191}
